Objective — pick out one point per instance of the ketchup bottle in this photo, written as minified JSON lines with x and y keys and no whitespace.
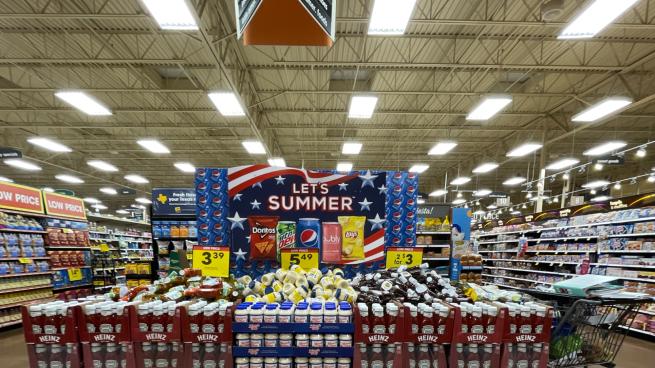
{"x":175,"y":352}
{"x":158,"y":320}
{"x":97,"y":357}
{"x":377,"y":321}
{"x":473,"y":358}
{"x":123,"y":355}
{"x":57,"y":356}
{"x":148,"y":355}
{"x":209,"y":317}
{"x":50,"y":321}
{"x":461,"y":360}
{"x":117,"y":316}
{"x":162,"y":356}
{"x":411,"y":355}
{"x":423,"y":358}
{"x":487,"y":357}
{"x":106,"y":320}
{"x":522,"y":359}
{"x":389,"y":356}
{"x":41,"y":355}
{"x":112,"y":356}
{"x":377,"y":360}
{"x":196,"y":357}
{"x":413,"y":318}
{"x":512,"y":317}
{"x":525,"y":321}
{"x":475,"y":320}
{"x":511,"y":356}
{"x":195,"y":318}
{"x":169,"y":317}
{"x":143,"y":316}
{"x":490,"y":320}
{"x":465,"y":318}
{"x":540,"y":319}
{"x":363,"y":314}
{"x":91,"y":318}
{"x":392,"y":316}
{"x":220,"y":323}
{"x":36,"y":318}
{"x":426,"y":320}
{"x":363,"y":351}
{"x":210,"y":356}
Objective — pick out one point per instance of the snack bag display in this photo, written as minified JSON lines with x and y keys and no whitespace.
{"x":352,"y":234}
{"x":263,"y":237}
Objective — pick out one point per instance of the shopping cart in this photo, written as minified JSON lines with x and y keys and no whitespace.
{"x":588,"y":331}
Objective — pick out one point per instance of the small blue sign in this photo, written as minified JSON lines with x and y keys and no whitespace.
{"x":174,"y":202}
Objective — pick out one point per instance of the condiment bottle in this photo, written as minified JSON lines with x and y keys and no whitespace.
{"x":492,"y":313}
{"x":363,"y":314}
{"x":210,"y":356}
{"x":511,"y":311}
{"x":302,"y":340}
{"x":195,"y":319}
{"x":36,"y":318}
{"x":487,"y":358}
{"x":270,"y":313}
{"x":525,"y":324}
{"x":331,"y":341}
{"x":301,"y":313}
{"x":284,"y":314}
{"x":270,"y":340}
{"x":256,"y":314}
{"x":423,"y":358}
{"x":345,"y":313}
{"x":392,"y":316}
{"x":342,"y":363}
{"x":330,"y":314}
{"x":522,"y":356}
{"x":97,"y":358}
{"x":143,"y":316}
{"x":316,"y":313}
{"x":57,"y":356}
{"x":330,"y":363}
{"x":161,"y":357}
{"x":170,"y":316}
{"x":50,"y":323}
{"x":377,"y":321}
{"x":256,"y":340}
{"x":475,"y":319}
{"x":461,"y":360}
{"x":239,"y":363}
{"x":540,"y":320}
{"x":377,"y":360}
{"x":473,"y":357}
{"x":301,"y":362}
{"x":209,"y":316}
{"x":285,"y":340}
{"x":411,"y":355}
{"x":256,"y":362}
{"x":157,"y":319}
{"x":465,"y":320}
{"x":345,"y":341}
{"x":117,"y":317}
{"x":536,"y":356}
{"x":426,"y":320}
{"x":112,"y":356}
{"x":284,"y":363}
{"x":443,"y":318}
{"x":413,"y":318}
{"x":315,"y":363}
{"x":316,"y":340}
{"x":241,"y":313}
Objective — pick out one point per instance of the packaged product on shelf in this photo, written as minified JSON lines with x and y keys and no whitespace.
{"x":263,"y":237}
{"x":352,"y":228}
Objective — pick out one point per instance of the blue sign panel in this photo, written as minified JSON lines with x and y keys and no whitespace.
{"x":174,"y":202}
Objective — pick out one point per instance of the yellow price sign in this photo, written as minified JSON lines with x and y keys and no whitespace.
{"x":410,"y":257}
{"x":104,"y":248}
{"x":213,"y":261}
{"x":189,"y":256}
{"x":306,"y":258}
{"x":25,"y":260}
{"x":74,"y":274}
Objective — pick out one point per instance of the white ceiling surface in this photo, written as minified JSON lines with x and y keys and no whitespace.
{"x":452,"y":53}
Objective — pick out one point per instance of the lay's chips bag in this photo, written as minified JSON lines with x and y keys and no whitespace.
{"x":352,"y":231}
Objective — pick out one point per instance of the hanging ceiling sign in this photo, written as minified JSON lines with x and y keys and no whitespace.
{"x":611,"y":160}
{"x":305,"y":22}
{"x":8,"y":152}
{"x":497,"y":195}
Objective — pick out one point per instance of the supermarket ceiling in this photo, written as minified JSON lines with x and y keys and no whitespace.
{"x":427,"y":80}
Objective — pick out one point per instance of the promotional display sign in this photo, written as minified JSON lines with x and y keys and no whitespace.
{"x":305,"y":258}
{"x":433,"y":217}
{"x":409,"y":257}
{"x":20,"y":198}
{"x":74,"y":274}
{"x":260,"y":211}
{"x":461,"y":238}
{"x":213,"y":261}
{"x":63,"y":205}
{"x":7,"y":152}
{"x":173,"y":202}
{"x":286,"y":22}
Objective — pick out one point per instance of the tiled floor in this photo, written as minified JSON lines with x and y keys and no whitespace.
{"x":635,"y":353}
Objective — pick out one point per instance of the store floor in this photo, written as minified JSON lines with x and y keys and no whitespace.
{"x":635,"y":353}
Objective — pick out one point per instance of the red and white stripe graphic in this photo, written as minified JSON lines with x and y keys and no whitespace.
{"x":373,"y":248}
{"x":242,"y":177}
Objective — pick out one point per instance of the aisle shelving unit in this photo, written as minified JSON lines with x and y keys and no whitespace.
{"x":604,"y":245}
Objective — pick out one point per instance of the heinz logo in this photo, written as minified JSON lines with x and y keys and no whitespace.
{"x":526,"y":338}
{"x":49,"y":338}
{"x":428,"y":338}
{"x":207,"y":338}
{"x":476,"y":338}
{"x":378,"y":338}
{"x":155,"y":336}
{"x":350,"y":234}
{"x":104,"y":338}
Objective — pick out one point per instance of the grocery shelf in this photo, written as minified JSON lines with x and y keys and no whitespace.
{"x":627,"y":251}
{"x":177,"y":238}
{"x":19,"y":258}
{"x":623,"y":266}
{"x":632,"y":235}
{"x":533,"y":261}
{"x":638,"y":330}
{"x":503,"y":285}
{"x":615,"y":222}
{"x":11,"y":323}
{"x":532,"y":271}
{"x":637,"y":279}
{"x":25,"y":274}
{"x":499,"y":241}
{"x":69,"y":267}
{"x":25,"y":288}
{"x":71,"y":287}
{"x":560,"y":251}
{"x":433,"y":245}
{"x":436,"y":258}
{"x":125,"y":240}
{"x":641,"y":311}
{"x":67,"y":247}
{"x":118,"y":219}
{"x":23,"y":302}
{"x":574,"y":238}
{"x":425,"y":232}
{"x":40,"y":215}
{"x":498,"y":251}
{"x":517,"y":278}
{"x":7,"y":230}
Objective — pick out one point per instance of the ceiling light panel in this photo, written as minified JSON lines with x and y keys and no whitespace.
{"x":419,"y":168}
{"x":102,"y":165}
{"x":254,"y":147}
{"x":227,"y":103}
{"x":524,"y":149}
{"x":185,"y":167}
{"x":344,"y":167}
{"x":460,"y":180}
{"x":485,"y":167}
{"x":598,"y":15}
{"x":605,"y":148}
{"x":108,"y":190}
{"x":143,"y":200}
{"x":22,"y":164}
{"x":362,"y":107}
{"x":562,"y":164}
{"x":172,"y":14}
{"x":489,"y":107}
{"x":602,"y":109}
{"x":438,"y":193}
{"x":459,"y":201}
{"x":442,"y":148}
{"x":277,"y":162}
{"x":351,"y":148}
{"x":390,"y":17}
{"x":6,"y":179}
{"x":83,"y":102}
{"x":136,"y":179}
{"x":514,"y":181}
{"x":596,"y":184}
{"x":71,"y":179}
{"x":49,"y":144}
{"x":153,"y":146}
{"x":482,"y":193}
